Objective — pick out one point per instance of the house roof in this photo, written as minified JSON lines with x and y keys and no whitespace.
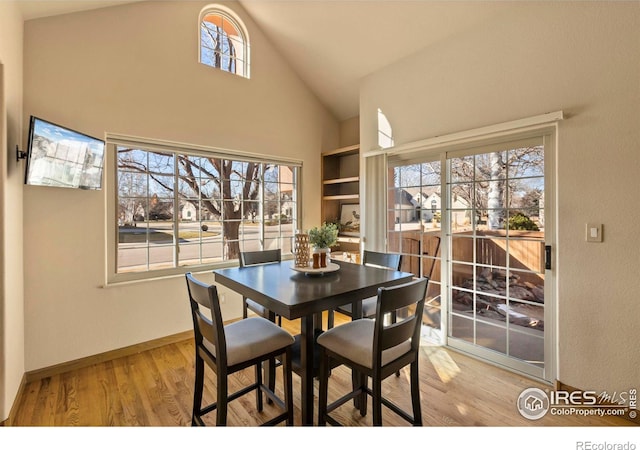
{"x":403,"y":197}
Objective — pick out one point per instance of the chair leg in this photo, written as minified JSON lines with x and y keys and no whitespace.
{"x":355,"y":382}
{"x":363,"y":397}
{"x":198,"y":386}
{"x":330,"y":319}
{"x":323,"y":387}
{"x":376,"y":401}
{"x":415,"y":394}
{"x":288,"y":385}
{"x":259,"y":390}
{"x":270,"y":376}
{"x":222,"y":399}
{"x":270,"y":366}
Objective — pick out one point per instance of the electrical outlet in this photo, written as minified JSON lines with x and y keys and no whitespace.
{"x":594,"y":232}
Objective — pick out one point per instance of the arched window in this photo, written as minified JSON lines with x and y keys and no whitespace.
{"x":224,"y":40}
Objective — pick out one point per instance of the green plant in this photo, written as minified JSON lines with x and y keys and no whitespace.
{"x":520,"y":221}
{"x":324,"y":236}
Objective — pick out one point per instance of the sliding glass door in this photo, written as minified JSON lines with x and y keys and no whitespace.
{"x":473,"y":220}
{"x":496,"y":236}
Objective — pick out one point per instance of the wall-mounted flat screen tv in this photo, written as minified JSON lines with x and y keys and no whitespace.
{"x":61,"y":157}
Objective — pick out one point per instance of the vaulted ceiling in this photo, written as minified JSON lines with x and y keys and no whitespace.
{"x":334,"y":44}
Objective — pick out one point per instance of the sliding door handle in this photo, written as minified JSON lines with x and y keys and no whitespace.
{"x":547,"y":257}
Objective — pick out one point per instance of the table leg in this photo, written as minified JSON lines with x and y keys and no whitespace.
{"x":360,"y":401}
{"x":306,"y":361}
{"x":270,"y":365}
{"x":317,"y":324}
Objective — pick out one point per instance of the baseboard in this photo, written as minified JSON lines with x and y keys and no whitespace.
{"x":80,"y":363}
{"x":560,"y":386}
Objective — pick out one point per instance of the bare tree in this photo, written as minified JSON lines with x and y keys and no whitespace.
{"x":487,"y":182}
{"x":495,"y":196}
{"x":494,"y":174}
{"x":221,"y":45}
{"x":226,"y":189}
{"x":232,"y":207}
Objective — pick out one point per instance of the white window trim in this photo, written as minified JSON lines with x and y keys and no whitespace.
{"x":463,"y":138}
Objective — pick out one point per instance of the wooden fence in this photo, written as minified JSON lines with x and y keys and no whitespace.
{"x":525,"y":252}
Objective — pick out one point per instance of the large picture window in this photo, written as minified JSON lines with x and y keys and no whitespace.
{"x":175,"y":209}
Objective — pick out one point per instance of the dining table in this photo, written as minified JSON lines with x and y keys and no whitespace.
{"x":301,"y":293}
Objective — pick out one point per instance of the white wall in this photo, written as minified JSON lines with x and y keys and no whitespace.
{"x":133,"y":69}
{"x":582,"y":58}
{"x":11,"y":288}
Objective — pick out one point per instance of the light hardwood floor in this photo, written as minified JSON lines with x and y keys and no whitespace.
{"x":154,"y":388}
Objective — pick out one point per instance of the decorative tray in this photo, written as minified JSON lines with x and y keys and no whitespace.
{"x":331,"y":267}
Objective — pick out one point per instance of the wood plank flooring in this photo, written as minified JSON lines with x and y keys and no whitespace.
{"x":154,"y":388}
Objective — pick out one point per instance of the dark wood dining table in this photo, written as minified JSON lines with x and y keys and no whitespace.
{"x":295,"y":295}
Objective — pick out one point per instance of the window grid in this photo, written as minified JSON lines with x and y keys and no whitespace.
{"x":487,"y":223}
{"x":223,"y":43}
{"x":414,"y":212}
{"x":180,"y":210}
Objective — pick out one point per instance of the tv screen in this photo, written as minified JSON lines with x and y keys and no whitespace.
{"x":61,"y":157}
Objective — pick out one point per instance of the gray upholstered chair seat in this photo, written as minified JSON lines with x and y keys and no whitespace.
{"x":250,"y":338}
{"x":354,"y":341}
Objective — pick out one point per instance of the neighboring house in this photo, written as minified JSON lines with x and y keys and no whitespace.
{"x":188,"y":212}
{"x":286,"y":204}
{"x":404,"y":207}
{"x":412,"y":204}
{"x":429,"y":201}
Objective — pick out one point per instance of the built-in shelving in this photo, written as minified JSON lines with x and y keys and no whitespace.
{"x":341,"y":180}
{"x":341,"y":186}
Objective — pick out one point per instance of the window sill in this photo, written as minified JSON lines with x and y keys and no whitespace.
{"x":124,"y":279}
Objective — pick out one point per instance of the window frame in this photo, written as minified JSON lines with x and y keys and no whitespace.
{"x":231,"y":17}
{"x":113,"y":141}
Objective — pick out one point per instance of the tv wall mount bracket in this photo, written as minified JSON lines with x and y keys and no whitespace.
{"x":20,"y":154}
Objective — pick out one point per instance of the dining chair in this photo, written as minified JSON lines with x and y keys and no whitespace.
{"x":230,"y":348}
{"x":251,"y":259}
{"x":376,"y":350}
{"x":391,"y":261}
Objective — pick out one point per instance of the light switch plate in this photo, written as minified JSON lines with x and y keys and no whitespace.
{"x":594,"y":232}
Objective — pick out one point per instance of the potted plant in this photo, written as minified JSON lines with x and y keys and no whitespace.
{"x":321,"y":238}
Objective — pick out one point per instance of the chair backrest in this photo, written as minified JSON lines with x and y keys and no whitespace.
{"x":388,"y":260}
{"x":260,"y":257}
{"x":204,"y":295}
{"x":411,"y":296}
